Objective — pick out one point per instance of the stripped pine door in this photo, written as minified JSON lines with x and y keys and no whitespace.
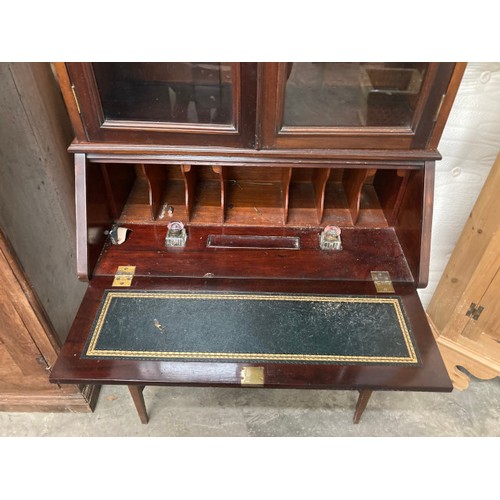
{"x":28,"y":348}
{"x":465,"y":309}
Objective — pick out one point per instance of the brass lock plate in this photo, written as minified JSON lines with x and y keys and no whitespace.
{"x":252,"y":375}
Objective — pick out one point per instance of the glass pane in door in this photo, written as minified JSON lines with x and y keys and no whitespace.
{"x":351,"y":94}
{"x":198,"y":93}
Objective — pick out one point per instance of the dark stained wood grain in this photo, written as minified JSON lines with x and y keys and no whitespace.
{"x":65,"y":84}
{"x":275,"y":135}
{"x":430,"y":376}
{"x":285,"y":189}
{"x":428,"y":209}
{"x":156,"y":176}
{"x":267,"y":197}
{"x":208,"y":155}
{"x":413,"y":222}
{"x":256,"y":178}
{"x":29,"y":347}
{"x":363,"y":399}
{"x":136,"y":391}
{"x":353,"y":181}
{"x":364,"y":250}
{"x":390,"y":187}
{"x":222,"y":173}
{"x":240,"y":134}
{"x":319,"y":178}
{"x":189,"y":175}
{"x":440,"y":123}
{"x":93,"y":215}
{"x":118,"y":183}
{"x":433,"y":98}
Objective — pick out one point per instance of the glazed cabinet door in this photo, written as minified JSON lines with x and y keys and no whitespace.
{"x":351,"y":105}
{"x":209,"y":103}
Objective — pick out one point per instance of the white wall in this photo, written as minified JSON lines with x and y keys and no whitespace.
{"x":469,"y":146}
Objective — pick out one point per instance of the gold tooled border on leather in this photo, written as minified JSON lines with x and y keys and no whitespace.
{"x":92,"y":351}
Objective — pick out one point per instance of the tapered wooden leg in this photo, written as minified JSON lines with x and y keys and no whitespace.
{"x":364,"y":396}
{"x":138,"y":397}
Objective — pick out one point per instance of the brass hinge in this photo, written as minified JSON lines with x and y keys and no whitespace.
{"x":252,"y":375}
{"x":124,"y":276}
{"x":76,"y":99}
{"x":474,"y":311}
{"x":382,"y":281}
{"x":443,"y":97}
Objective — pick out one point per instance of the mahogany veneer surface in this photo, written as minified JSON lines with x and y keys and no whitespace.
{"x":430,"y":375}
{"x":364,"y":250}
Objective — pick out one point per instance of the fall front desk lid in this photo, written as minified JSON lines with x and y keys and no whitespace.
{"x":256,"y":328}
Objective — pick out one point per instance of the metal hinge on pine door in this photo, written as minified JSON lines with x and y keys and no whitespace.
{"x":474,"y":311}
{"x":42,"y":361}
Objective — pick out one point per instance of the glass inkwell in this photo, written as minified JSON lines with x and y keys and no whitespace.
{"x":330,"y":238}
{"x":176,"y":235}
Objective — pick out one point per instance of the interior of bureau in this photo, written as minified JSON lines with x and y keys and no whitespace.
{"x":260,"y":196}
{"x":231,"y":211}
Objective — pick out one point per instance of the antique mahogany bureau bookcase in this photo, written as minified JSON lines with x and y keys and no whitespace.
{"x":255,"y":224}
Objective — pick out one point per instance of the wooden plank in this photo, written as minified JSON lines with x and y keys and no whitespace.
{"x":95,"y":211}
{"x":320,"y":178}
{"x":426,"y":231}
{"x":488,"y":323}
{"x":485,"y":347}
{"x":287,"y":176}
{"x":62,"y":401}
{"x":118,"y":183}
{"x":157,"y":177}
{"x":469,"y":251}
{"x":444,"y":112}
{"x":70,"y":101}
{"x":353,"y":181}
{"x":221,"y":171}
{"x":364,"y":251}
{"x":390,"y":186}
{"x":363,"y":399}
{"x":473,"y":293}
{"x":16,"y":341}
{"x":10,"y":371}
{"x":189,"y":175}
{"x":414,"y":222}
{"x":82,"y":259}
{"x":471,"y":281}
{"x":432,"y":98}
{"x":136,"y":391}
{"x":20,"y":300}
{"x":28,"y":347}
{"x":455,"y":355}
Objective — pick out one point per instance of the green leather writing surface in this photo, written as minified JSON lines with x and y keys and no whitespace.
{"x":245,"y":327}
